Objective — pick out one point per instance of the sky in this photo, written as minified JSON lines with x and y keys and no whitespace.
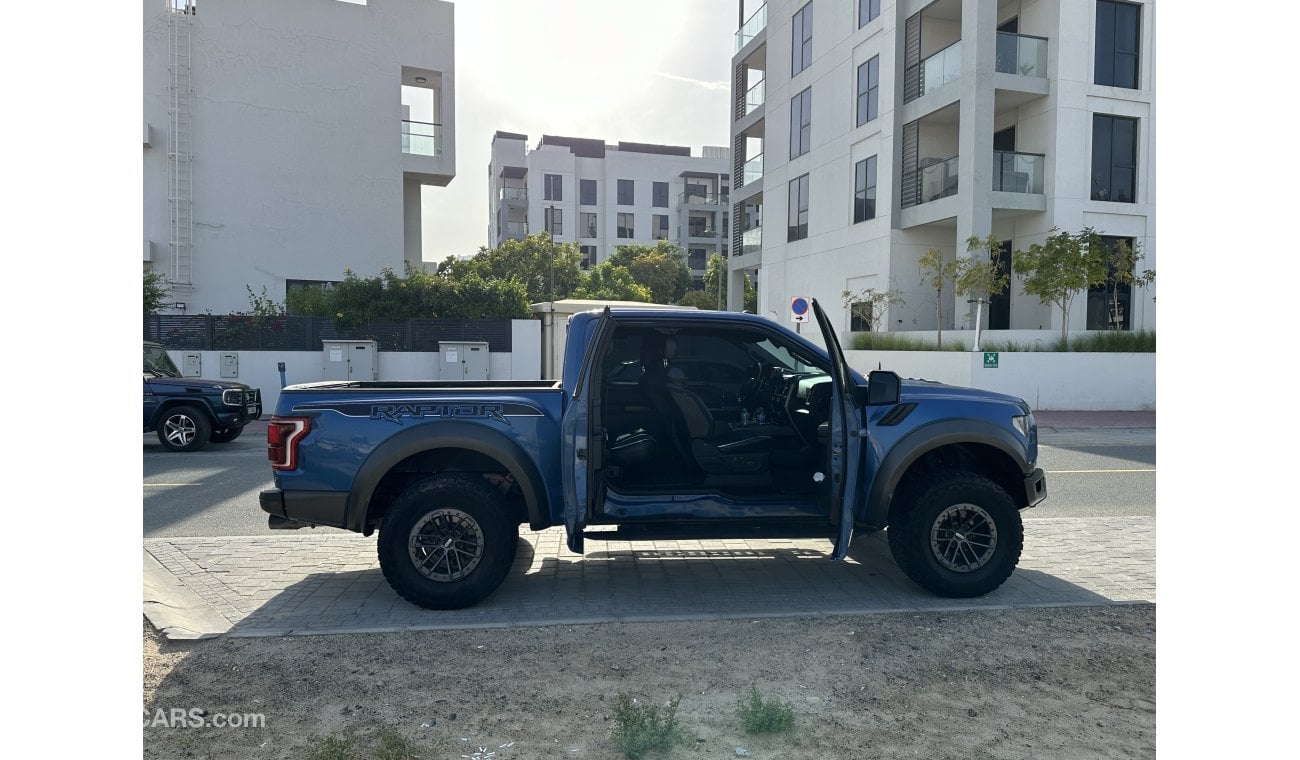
{"x":607,"y":69}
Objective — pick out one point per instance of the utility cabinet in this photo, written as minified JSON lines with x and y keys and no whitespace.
{"x":462,"y":360}
{"x":192,"y":364}
{"x":350,"y":359}
{"x":230,"y":365}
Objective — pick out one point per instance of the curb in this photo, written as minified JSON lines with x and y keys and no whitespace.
{"x":176,"y":611}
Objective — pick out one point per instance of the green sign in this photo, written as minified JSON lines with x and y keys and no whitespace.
{"x":990,"y":360}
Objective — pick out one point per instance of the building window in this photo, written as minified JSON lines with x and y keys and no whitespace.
{"x":660,"y":199}
{"x":861,"y":317}
{"x":869,"y":90}
{"x":864,"y":190}
{"x":659,"y":226}
{"x":588,"y":255}
{"x":1114,"y":158}
{"x":798,"y":215}
{"x":1110,"y":304}
{"x":626,"y":196}
{"x":867,"y":11}
{"x":625,"y":225}
{"x":555,"y":221}
{"x":801,"y":123}
{"x":553,"y":190}
{"x":587,"y":224}
{"x":587,"y":192}
{"x":697,"y":258}
{"x":1119,"y":27}
{"x":801,"y":40}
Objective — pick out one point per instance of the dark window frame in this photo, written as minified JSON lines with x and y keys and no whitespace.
{"x":655,"y":229}
{"x":864,"y":189}
{"x":552,"y":187}
{"x":797,"y":209}
{"x":629,"y":229}
{"x":583,"y":227}
{"x":801,"y":29}
{"x":1106,"y":165}
{"x":630,"y":187}
{"x":657,"y":196}
{"x":870,"y":93}
{"x":1098,"y":296}
{"x":586,"y":198}
{"x":1117,"y":61}
{"x":554,"y":218}
{"x":801,"y":123}
{"x":868,"y":10}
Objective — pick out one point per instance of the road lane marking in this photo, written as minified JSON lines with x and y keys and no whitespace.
{"x":1077,"y":472}
{"x":169,"y":485}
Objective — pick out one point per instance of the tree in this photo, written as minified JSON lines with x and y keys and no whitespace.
{"x":938,"y":272}
{"x":868,"y":304}
{"x":1061,"y":267}
{"x":1121,"y":262}
{"x":715,"y":286}
{"x":156,"y":291}
{"x":608,"y":281}
{"x":660,"y":267}
{"x":979,"y":276}
{"x":544,"y":267}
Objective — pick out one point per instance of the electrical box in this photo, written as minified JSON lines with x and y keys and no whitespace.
{"x":230,"y":364}
{"x":350,"y":359}
{"x":192,"y":364}
{"x":462,"y":360}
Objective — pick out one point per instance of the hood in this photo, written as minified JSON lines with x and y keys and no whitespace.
{"x":181,"y":384}
{"x":918,"y":390}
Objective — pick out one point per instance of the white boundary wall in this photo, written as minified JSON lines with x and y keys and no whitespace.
{"x":1046,"y":380}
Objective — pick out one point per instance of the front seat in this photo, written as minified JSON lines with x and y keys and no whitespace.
{"x":713,"y":446}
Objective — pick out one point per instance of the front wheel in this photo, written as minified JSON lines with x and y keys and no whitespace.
{"x":184,"y":428}
{"x":957,"y":535}
{"x":447,"y":542}
{"x":226,"y":435}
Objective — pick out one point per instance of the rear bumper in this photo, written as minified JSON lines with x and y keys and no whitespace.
{"x":1035,"y":487}
{"x":308,"y":507}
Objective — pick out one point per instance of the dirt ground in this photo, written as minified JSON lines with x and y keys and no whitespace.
{"x":1026,"y":683}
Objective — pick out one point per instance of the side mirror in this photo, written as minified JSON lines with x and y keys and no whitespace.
{"x":882,"y":388}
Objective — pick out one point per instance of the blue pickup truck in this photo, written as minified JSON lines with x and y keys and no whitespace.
{"x":665,"y":424}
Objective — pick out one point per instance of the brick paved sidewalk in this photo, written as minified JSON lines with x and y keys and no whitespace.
{"x":329,"y":583}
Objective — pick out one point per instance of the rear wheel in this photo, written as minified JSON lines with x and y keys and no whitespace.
{"x":958,"y":535}
{"x":447,"y":542}
{"x":226,"y":435}
{"x":184,"y":428}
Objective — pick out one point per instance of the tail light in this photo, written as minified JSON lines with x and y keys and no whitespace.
{"x":282,"y":437}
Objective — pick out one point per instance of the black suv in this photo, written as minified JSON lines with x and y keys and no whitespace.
{"x":188,"y":412}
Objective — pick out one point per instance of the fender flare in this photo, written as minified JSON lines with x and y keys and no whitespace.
{"x":448,"y":434}
{"x":922,"y":441}
{"x":167,"y":403}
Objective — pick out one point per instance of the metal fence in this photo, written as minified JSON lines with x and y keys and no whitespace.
{"x":210,"y":332}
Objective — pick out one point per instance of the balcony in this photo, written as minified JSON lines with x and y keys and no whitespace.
{"x":1018,"y":172}
{"x":516,"y":230}
{"x":755,"y":96}
{"x":751,"y":241}
{"x":702,"y":199}
{"x":421,"y":138}
{"x":701,"y":231}
{"x":750,"y":29}
{"x":1021,"y":54}
{"x":932,"y":73}
{"x":513,"y":194}
{"x":930,"y":183}
{"x":754,"y":169}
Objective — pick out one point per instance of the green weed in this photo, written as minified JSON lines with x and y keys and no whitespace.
{"x":759,"y":716}
{"x":639,"y":729}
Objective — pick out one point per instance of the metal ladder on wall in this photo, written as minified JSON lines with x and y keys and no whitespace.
{"x":180,"y":157}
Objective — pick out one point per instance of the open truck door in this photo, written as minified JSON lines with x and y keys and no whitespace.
{"x":583,"y":436}
{"x":848,"y":431}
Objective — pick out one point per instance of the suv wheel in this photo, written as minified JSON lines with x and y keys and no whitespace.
{"x":184,"y":428}
{"x":958,"y":535}
{"x":447,"y":542}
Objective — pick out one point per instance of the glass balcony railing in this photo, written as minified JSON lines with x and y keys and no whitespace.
{"x":1018,"y":172}
{"x":516,"y":229}
{"x":754,"y":169}
{"x":421,"y":138}
{"x":514,"y":194}
{"x":755,"y":96}
{"x":750,"y":29}
{"x":941,"y":68}
{"x":751,"y":241}
{"x":704,"y":198}
{"x":930,"y":183}
{"x":1021,"y":54}
{"x":699,"y":230}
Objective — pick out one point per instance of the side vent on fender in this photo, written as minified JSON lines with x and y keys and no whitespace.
{"x":896,"y":415}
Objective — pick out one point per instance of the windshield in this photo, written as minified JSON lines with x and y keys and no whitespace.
{"x":157,"y":361}
{"x":782,"y":356}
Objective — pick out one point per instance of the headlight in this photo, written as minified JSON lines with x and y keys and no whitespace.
{"x":1023,"y":423}
{"x":232,"y":397}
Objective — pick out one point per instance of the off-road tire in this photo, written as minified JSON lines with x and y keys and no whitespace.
{"x":467,"y":521}
{"x":922,"y":529}
{"x":184,"y":428}
{"x":226,"y":435}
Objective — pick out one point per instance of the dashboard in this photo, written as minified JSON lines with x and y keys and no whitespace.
{"x":798,"y":399}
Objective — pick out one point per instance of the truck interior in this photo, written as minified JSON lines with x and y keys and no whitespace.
{"x":725,"y":411}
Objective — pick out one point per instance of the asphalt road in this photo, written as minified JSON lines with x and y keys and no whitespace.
{"x":1092,"y":472}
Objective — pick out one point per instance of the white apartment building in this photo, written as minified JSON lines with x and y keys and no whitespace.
{"x":867,"y":132}
{"x":606,"y":195}
{"x":287,"y":141}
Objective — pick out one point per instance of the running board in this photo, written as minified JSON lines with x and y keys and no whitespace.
{"x":711,"y":531}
